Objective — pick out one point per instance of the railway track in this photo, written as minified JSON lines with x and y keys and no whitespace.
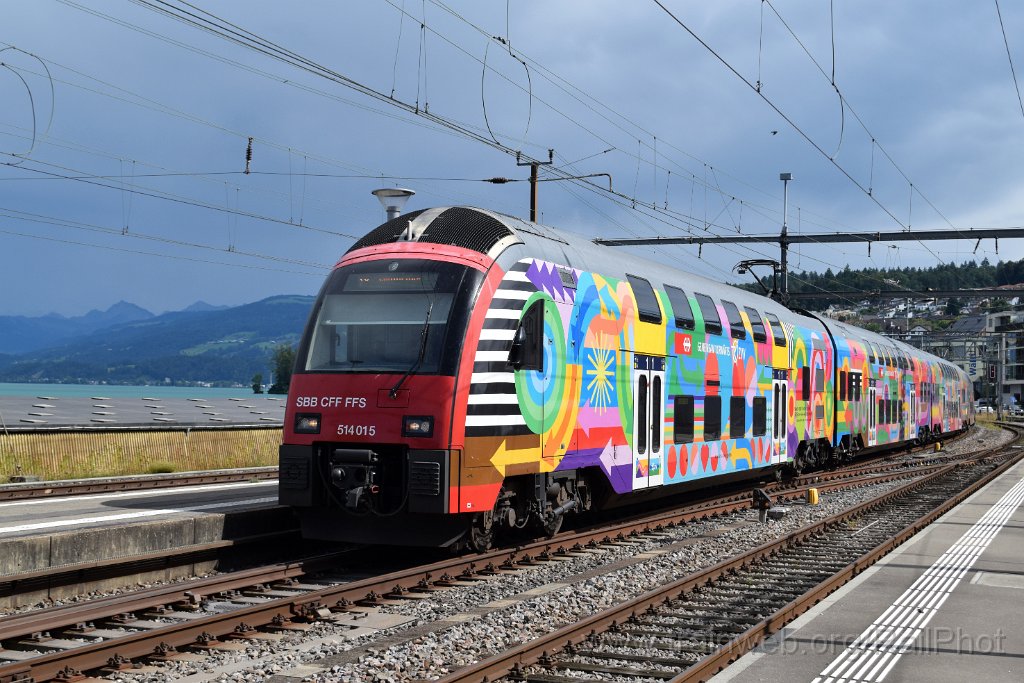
{"x":145,"y":482}
{"x":692,"y":628}
{"x":83,"y":573}
{"x":59,"y":644}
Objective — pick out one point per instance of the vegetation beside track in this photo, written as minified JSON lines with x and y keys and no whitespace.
{"x":82,"y":454}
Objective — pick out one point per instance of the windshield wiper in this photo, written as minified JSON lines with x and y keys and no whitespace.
{"x":419,"y":359}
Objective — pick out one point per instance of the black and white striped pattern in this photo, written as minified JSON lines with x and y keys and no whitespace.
{"x":493,"y":406}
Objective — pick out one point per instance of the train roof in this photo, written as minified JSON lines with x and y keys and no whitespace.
{"x":508,"y":239}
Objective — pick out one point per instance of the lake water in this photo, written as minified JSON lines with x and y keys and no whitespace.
{"x":119,"y":391}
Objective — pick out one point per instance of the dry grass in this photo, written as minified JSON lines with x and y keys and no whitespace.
{"x":73,"y":455}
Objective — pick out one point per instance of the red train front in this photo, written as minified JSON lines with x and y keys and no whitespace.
{"x":369,"y":424}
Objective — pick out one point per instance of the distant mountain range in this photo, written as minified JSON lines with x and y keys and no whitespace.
{"x":128,"y":345}
{"x":20,"y":334}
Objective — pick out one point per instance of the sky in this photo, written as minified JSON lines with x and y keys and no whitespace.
{"x":124,"y":126}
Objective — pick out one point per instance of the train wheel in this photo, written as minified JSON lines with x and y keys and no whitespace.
{"x":481,"y":531}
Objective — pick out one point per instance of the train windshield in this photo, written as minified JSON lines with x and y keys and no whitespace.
{"x":391,"y":316}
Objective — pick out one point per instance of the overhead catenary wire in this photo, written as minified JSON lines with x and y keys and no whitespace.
{"x":156,"y":254}
{"x":785,"y":117}
{"x":707,"y":187}
{"x":1009,"y":57}
{"x":149,"y":32}
{"x":156,"y":194}
{"x":15,"y":214}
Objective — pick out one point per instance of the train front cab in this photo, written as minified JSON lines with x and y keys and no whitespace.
{"x":367,"y":453}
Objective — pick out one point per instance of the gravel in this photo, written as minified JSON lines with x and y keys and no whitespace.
{"x":456,"y":627}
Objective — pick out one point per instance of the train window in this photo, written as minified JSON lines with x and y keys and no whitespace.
{"x":805,"y":384}
{"x":682,"y":425}
{"x":680,"y":307}
{"x":527,"y":352}
{"x":778,"y":334}
{"x":760,"y":415}
{"x":756,"y":324}
{"x":735,"y":321}
{"x":842,"y":385}
{"x":708,"y":310}
{"x":871,"y":352}
{"x":712,"y":418}
{"x":388,"y":316}
{"x":853,"y":391}
{"x":646,"y":301}
{"x":881,"y":411}
{"x":819,"y":380}
{"x":737,"y":417}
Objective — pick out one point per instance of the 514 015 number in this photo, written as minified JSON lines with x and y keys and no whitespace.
{"x":357,"y":430}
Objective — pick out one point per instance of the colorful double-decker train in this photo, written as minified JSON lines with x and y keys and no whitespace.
{"x":464,"y":373}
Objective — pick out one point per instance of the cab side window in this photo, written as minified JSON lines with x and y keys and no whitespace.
{"x":527,"y":352}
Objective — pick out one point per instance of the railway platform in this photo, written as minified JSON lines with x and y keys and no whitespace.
{"x":69,"y":534}
{"x":946,"y":606}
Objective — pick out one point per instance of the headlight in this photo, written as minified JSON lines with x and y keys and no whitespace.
{"x":417,"y":426}
{"x":307,"y":423}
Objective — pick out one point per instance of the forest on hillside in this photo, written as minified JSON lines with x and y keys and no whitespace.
{"x":969,"y":275}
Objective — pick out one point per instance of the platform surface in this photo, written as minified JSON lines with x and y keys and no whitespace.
{"x":948,"y":606}
{"x":40,"y":517}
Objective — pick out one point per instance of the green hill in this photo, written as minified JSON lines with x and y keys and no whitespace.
{"x":222,"y":347}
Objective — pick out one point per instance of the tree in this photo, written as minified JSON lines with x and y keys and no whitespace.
{"x":257,"y":383}
{"x":953,"y":306}
{"x":284,"y":361}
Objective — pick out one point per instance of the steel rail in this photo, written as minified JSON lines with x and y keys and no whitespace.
{"x":83,"y":572}
{"x":21,"y":624}
{"x":751,"y":638}
{"x":321,"y":604}
{"x":146,"y":482}
{"x":313,"y":605}
{"x":534,"y":651}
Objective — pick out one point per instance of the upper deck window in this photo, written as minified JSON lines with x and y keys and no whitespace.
{"x":709,"y":311}
{"x":646,"y":301}
{"x":680,"y":307}
{"x":735,"y":321}
{"x":755,"y":324}
{"x":778,"y":334}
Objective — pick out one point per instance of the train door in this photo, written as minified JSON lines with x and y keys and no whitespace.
{"x":780,"y":416}
{"x":872,"y":415}
{"x":648,"y":420}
